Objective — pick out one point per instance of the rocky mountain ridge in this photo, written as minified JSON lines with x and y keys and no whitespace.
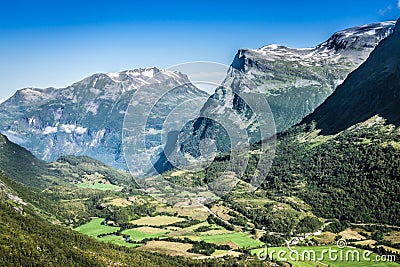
{"x":294,"y":82}
{"x":85,"y":118}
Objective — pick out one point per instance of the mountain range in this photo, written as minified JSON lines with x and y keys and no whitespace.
{"x":344,"y":158}
{"x":341,"y":163}
{"x":294,"y":82}
{"x":86,"y":117}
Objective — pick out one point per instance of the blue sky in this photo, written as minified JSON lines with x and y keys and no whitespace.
{"x":55,"y":43}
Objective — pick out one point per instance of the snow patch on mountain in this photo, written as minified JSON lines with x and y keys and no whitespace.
{"x":350,"y":40}
{"x":71,"y":128}
{"x":114,"y":75}
{"x":50,"y":130}
{"x":149,"y":73}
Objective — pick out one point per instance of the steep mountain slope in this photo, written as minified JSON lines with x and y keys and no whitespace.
{"x":83,"y":169}
{"x":19,"y":164}
{"x":373,"y":89}
{"x":294,"y":81}
{"x":51,"y":188}
{"x":82,"y":119}
{"x":352,"y":175}
{"x":348,"y":148}
{"x":344,"y":159}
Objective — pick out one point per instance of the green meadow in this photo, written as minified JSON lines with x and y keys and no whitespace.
{"x":242,"y":240}
{"x":95,"y":228}
{"x":138,"y":235}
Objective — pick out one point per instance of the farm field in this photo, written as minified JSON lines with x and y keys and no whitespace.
{"x":170,"y":248}
{"x":118,"y":240}
{"x":99,"y":186}
{"x":351,"y":234}
{"x":138,"y":234}
{"x":242,"y":240}
{"x":157,"y":220}
{"x":394,"y":237}
{"x":217,"y":235}
{"x":94,"y":228}
{"x":344,"y":257}
{"x":325,"y":238}
{"x":193,"y":211}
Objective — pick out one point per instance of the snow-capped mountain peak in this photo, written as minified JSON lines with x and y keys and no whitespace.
{"x":86,"y":117}
{"x":142,"y":72}
{"x":352,"y":43}
{"x":356,"y":38}
{"x":294,"y":80}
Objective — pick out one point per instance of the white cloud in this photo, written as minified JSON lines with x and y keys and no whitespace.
{"x":398,"y":4}
{"x":383,"y":12}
